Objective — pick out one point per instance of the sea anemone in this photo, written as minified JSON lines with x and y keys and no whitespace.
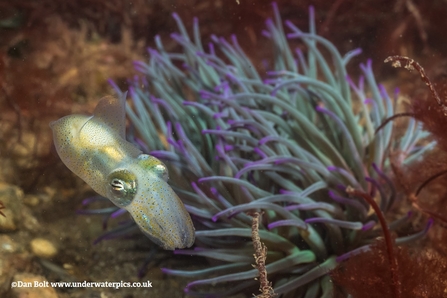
{"x":288,"y":144}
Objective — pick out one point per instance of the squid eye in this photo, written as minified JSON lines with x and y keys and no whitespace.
{"x":117,"y":187}
{"x":122,"y":187}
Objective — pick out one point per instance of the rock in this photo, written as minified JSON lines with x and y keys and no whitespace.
{"x":10,"y":264}
{"x":7,"y":245}
{"x":32,"y":146}
{"x":11,"y":196}
{"x":31,"y":200}
{"x":8,"y":222}
{"x":29,"y":222}
{"x":50,"y":193}
{"x":5,"y":276}
{"x":31,"y":286}
{"x":43,"y":248}
{"x":23,"y":152}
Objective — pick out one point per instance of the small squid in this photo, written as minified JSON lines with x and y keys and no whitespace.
{"x":95,"y":148}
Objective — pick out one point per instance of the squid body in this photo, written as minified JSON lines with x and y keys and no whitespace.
{"x":94,"y":148}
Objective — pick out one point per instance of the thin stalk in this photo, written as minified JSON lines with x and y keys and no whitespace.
{"x":395,"y":287}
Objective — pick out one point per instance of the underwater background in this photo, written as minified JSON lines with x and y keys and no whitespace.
{"x":280,"y":117}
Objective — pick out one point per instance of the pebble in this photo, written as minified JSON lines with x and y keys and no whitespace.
{"x":7,"y":245}
{"x":30,"y":222}
{"x":27,"y":152}
{"x":11,"y":196}
{"x":31,"y":200}
{"x":32,"y":286}
{"x":43,"y":248}
{"x":10,"y":264}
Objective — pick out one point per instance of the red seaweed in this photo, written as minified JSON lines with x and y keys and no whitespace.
{"x":395,"y":285}
{"x":2,"y":206}
{"x":367,"y":275}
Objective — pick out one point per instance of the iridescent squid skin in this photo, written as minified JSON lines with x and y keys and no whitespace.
{"x":95,"y":148}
